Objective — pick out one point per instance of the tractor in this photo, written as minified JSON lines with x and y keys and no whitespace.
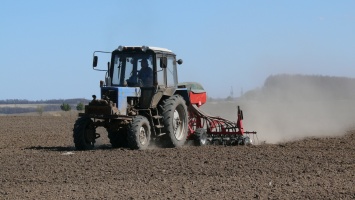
{"x":142,"y":101}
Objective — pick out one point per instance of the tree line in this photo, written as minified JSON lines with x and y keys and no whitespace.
{"x":51,"y":101}
{"x":41,"y":105}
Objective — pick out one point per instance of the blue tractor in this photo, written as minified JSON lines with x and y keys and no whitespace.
{"x":140,"y":101}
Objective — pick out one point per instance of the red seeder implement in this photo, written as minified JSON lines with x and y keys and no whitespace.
{"x":205,"y":129}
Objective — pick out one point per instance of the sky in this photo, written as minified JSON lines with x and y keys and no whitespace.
{"x":46,"y":47}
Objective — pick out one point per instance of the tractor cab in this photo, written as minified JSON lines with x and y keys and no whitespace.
{"x":141,"y":67}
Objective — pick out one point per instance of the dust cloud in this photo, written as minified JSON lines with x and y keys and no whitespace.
{"x":292,"y":107}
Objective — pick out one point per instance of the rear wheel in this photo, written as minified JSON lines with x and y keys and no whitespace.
{"x":175,"y":120}
{"x":200,"y":137}
{"x":138,"y":134}
{"x":84,"y":134}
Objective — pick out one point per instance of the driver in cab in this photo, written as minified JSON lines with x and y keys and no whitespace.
{"x":145,"y":74}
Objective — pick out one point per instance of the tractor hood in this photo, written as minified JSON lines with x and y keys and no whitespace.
{"x":118,"y":95}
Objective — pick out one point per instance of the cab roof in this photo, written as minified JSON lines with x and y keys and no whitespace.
{"x":144,"y":48}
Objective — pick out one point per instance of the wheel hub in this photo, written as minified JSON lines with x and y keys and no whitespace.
{"x":177,"y":126}
{"x":142,"y":136}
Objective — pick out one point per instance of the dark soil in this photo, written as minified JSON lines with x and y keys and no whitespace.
{"x":38,"y":161}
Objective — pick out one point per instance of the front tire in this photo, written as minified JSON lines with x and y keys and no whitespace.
{"x":138,"y":134}
{"x":175,"y":120}
{"x":84,"y":134}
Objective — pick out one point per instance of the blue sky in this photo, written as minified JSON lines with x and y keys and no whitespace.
{"x":46,"y":46}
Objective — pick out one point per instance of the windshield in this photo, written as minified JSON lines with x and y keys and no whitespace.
{"x":134,"y":70}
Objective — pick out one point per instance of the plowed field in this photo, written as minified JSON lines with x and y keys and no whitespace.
{"x":38,"y":161}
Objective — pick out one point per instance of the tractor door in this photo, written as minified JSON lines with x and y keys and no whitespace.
{"x":165,"y":81}
{"x":147,"y":87}
{"x":159,"y":80}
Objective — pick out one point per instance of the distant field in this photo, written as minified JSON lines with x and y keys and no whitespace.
{"x":27,"y":109}
{"x":26,"y":105}
{"x":47,"y":113}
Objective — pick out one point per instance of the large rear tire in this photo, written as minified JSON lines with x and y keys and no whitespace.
{"x":138,"y":134}
{"x":84,"y":134}
{"x":175,"y":120}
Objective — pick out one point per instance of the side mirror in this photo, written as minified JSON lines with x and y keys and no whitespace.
{"x":179,"y":62}
{"x":163,"y":62}
{"x":94,"y":62}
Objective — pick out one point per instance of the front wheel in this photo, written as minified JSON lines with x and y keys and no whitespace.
{"x":84,"y":134}
{"x":138,"y":134}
